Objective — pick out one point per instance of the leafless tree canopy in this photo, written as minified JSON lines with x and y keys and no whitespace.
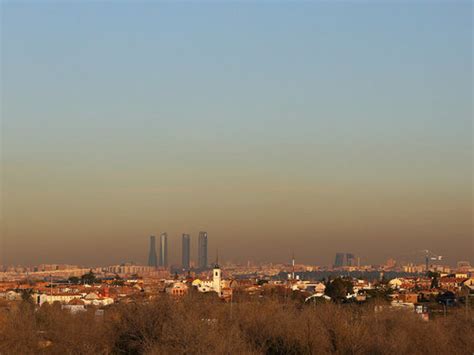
{"x":204,"y":325}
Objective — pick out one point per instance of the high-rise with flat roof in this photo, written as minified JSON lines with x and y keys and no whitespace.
{"x":152,"y":260}
{"x":345,"y":259}
{"x":350,"y":259}
{"x":339,"y":261}
{"x":202,"y":250}
{"x":186,"y":251}
{"x":163,"y":250}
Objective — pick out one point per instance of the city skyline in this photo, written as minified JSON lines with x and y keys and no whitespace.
{"x":248,"y":177}
{"x":275,"y":127}
{"x":197,"y":259}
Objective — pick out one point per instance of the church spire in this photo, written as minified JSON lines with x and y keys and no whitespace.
{"x":216,"y":265}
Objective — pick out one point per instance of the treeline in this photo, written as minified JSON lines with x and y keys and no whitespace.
{"x":201,"y":324}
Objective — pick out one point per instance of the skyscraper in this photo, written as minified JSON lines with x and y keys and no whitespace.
{"x":202,"y":250}
{"x":350,"y":259}
{"x":164,"y":250}
{"x":152,"y":253}
{"x":186,"y":251}
{"x":339,"y":261}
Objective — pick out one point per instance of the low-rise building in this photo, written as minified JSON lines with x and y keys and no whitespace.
{"x":177,"y":289}
{"x":63,"y":298}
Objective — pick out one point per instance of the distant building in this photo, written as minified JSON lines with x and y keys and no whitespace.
{"x":74,"y":306}
{"x":177,"y":289}
{"x":345,"y":259}
{"x":163,"y":250}
{"x":152,"y":259}
{"x":391,"y":263}
{"x":202,"y":250}
{"x":63,"y":298}
{"x":339,"y":260}
{"x":215,"y":284}
{"x":186,"y":251}
{"x":130,"y":269}
{"x":350,"y":259}
{"x":464,"y":266}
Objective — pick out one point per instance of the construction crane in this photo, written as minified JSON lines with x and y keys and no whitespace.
{"x":429,"y":255}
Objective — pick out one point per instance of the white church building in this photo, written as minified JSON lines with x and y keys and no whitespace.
{"x":216,"y":284}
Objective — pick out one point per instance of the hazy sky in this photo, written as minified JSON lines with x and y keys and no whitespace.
{"x":278,"y":126}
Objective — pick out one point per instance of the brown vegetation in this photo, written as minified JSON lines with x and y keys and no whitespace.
{"x":203,"y":325}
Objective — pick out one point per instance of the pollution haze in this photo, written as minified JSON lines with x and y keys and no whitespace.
{"x":277,"y":127}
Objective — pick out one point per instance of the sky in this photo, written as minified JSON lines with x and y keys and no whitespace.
{"x":275,"y":126}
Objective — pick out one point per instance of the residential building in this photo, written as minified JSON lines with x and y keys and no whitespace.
{"x":177,"y":289}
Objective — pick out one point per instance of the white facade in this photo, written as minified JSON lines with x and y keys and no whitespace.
{"x":216,"y":279}
{"x":61,"y":298}
{"x":216,"y":284}
{"x":96,"y":300}
{"x":65,"y":298}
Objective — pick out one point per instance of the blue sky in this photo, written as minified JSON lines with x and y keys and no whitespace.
{"x":161,"y":96}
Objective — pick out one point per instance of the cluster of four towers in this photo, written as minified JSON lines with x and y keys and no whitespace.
{"x":162,"y":261}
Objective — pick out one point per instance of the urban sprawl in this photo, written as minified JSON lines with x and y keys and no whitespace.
{"x":428,"y":289}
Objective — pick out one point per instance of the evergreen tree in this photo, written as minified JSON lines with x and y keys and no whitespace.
{"x":89,"y":278}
